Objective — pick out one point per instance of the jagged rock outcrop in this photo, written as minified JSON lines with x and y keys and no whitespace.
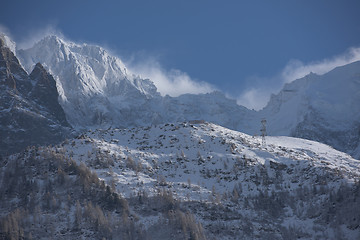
{"x":29,"y":111}
{"x":45,"y":93}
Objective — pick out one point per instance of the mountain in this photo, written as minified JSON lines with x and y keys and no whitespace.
{"x":186,"y":179}
{"x":30,"y":112}
{"x":190,"y":180}
{"x":324,"y":108}
{"x":96,"y":90}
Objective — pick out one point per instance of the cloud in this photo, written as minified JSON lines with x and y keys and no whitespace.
{"x":5,"y":30}
{"x":256,"y":97}
{"x":32,"y":36}
{"x":296,"y":69}
{"x":6,"y":36}
{"x":168,"y":82}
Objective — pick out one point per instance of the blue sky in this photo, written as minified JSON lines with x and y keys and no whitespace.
{"x":246,"y":49}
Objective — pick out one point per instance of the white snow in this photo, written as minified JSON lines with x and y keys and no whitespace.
{"x":8,"y":42}
{"x":85,"y":74}
{"x":179,"y":157}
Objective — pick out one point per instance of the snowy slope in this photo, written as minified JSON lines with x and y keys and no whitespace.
{"x":208,"y":165}
{"x":322,"y":108}
{"x":177,"y":181}
{"x":186,"y":143}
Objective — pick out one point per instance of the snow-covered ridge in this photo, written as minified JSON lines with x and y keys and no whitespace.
{"x":334,"y":95}
{"x":211,"y":165}
{"x":163,"y":149}
{"x":323,"y":108}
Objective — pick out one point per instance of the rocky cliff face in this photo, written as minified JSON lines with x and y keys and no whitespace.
{"x":30,"y":113}
{"x":44,"y":92}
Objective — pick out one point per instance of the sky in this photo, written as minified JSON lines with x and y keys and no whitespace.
{"x":245,"y":48}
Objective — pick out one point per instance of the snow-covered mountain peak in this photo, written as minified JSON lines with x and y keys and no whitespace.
{"x":8,"y":42}
{"x":96,"y":89}
{"x":334,"y":94}
{"x":96,"y":69}
{"x":88,"y":78}
{"x":324,"y":108}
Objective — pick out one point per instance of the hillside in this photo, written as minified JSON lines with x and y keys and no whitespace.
{"x":289,"y":185}
{"x":226,"y":180}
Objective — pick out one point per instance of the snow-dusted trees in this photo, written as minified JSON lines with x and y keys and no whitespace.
{"x":65,"y":189}
{"x":11,"y":226}
{"x":187,"y":224}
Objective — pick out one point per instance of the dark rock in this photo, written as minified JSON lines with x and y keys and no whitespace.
{"x":29,"y":110}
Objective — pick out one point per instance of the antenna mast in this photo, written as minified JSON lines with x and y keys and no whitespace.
{"x":263,"y":131}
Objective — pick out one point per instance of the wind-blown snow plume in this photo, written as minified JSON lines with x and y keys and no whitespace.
{"x":6,"y":36}
{"x":169,"y":82}
{"x":296,"y":69}
{"x":4,"y":30}
{"x":257,"y":97}
{"x":254,"y":98}
{"x":35,"y":35}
